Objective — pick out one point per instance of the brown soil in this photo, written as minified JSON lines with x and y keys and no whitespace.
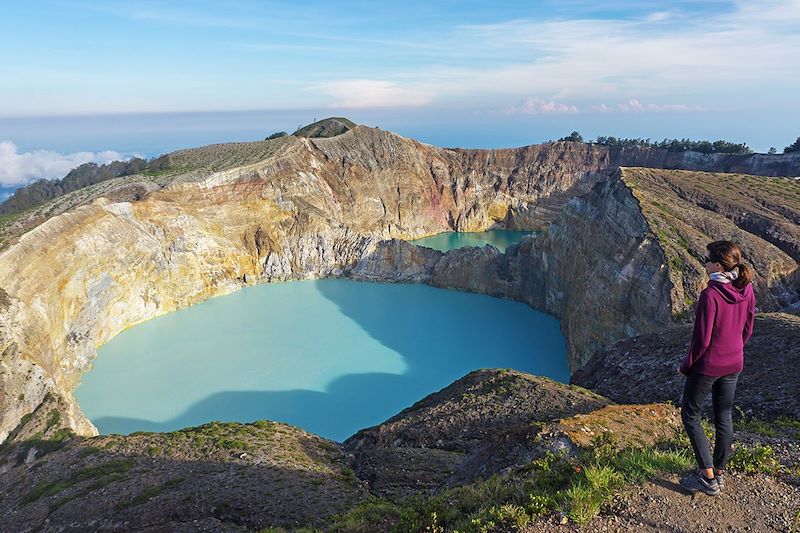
{"x":748,"y":503}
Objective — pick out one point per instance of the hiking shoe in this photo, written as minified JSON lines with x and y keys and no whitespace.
{"x":697,"y":482}
{"x":720,"y":480}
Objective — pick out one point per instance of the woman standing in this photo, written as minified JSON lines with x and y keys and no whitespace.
{"x":723,"y":324}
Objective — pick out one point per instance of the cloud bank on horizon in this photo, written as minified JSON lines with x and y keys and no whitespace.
{"x":19,"y":168}
{"x":550,"y":57}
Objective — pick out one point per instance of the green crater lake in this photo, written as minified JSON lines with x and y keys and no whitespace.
{"x":330,"y":356}
{"x":450,"y":240}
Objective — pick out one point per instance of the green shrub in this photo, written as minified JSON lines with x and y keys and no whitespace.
{"x":787,"y":422}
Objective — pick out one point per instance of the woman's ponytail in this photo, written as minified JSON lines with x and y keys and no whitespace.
{"x":729,"y":256}
{"x":745,"y":276}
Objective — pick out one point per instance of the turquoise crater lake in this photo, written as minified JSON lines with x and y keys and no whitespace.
{"x":450,"y":240}
{"x":330,"y":356}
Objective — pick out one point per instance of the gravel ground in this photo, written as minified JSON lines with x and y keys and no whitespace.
{"x":748,"y":503}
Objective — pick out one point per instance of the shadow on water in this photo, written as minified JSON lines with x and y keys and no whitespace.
{"x":441,"y":335}
{"x":448,"y":337}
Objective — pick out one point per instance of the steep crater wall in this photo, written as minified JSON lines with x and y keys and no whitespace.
{"x":319,"y":208}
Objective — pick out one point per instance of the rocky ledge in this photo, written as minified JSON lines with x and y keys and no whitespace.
{"x":644,"y":368}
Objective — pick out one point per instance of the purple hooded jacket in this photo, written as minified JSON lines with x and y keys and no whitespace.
{"x":723,"y":323}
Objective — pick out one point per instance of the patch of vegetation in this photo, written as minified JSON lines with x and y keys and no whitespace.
{"x":787,"y":422}
{"x":154,"y":450}
{"x":327,"y":127}
{"x":585,"y":497}
{"x":574,"y":137}
{"x":264,"y":424}
{"x":53,"y":418}
{"x":577,"y":486}
{"x":43,"y":190}
{"x":373,"y":514}
{"x":8,"y":219}
{"x":88,"y":450}
{"x":276,"y":135}
{"x":108,"y":471}
{"x":681,"y":316}
{"x":62,"y":434}
{"x":679,"y":145}
{"x":757,"y":459}
{"x":348,"y":476}
{"x":794,"y":147}
{"x":229,"y":436}
{"x":755,"y":425}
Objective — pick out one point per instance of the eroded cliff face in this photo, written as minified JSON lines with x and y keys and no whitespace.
{"x":596,"y":267}
{"x":123,"y":252}
{"x":626,"y":257}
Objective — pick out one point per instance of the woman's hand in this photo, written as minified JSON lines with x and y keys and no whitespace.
{"x":680,"y":372}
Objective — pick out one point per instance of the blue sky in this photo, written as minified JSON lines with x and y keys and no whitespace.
{"x":452,"y":73}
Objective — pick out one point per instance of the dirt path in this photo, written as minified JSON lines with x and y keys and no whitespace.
{"x":748,"y":503}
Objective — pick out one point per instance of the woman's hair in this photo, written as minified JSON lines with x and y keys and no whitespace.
{"x":729,"y":255}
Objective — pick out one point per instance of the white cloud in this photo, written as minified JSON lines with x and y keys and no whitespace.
{"x":360,"y":93}
{"x":658,"y":16}
{"x":20,"y":168}
{"x":725,"y":58}
{"x":534,"y":105}
{"x":635,"y":106}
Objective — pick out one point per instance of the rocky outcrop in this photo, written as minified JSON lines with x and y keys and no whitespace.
{"x":329,"y":127}
{"x":424,"y":445}
{"x":86,"y":266}
{"x":644,"y":368}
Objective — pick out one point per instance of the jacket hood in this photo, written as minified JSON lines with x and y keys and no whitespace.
{"x":729,"y":292}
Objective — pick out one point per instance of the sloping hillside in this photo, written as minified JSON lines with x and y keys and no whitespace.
{"x":686,"y":210}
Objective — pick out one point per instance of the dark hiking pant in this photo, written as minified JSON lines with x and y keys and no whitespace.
{"x":695,"y":391}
